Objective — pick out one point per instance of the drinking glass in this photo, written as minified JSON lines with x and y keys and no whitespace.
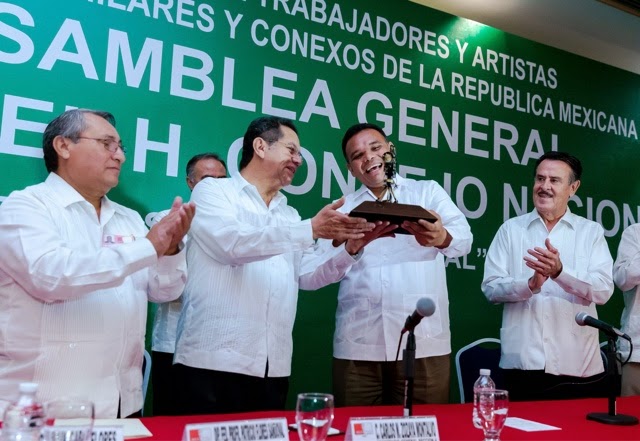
{"x":68,"y":419}
{"x":314,"y":414}
{"x":493,"y":406}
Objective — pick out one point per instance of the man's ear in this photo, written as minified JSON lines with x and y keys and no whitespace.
{"x":259,"y":147}
{"x":574,"y":187}
{"x":61,"y":146}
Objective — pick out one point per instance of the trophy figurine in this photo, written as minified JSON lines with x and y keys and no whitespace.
{"x":387,"y":208}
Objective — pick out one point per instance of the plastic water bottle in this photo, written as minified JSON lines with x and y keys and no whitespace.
{"x":484,"y":381}
{"x":24,"y":418}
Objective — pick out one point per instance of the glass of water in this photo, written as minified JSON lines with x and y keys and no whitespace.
{"x":314,"y":414}
{"x":493,"y":407}
{"x":68,"y":419}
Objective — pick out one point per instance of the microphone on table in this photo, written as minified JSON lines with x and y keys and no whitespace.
{"x":424,"y":308}
{"x":611,"y":367}
{"x":583,"y":319}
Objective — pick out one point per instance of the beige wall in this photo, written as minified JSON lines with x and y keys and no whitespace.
{"x":585,"y":27}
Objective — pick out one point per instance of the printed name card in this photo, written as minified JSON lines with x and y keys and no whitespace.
{"x":106,"y":433}
{"x":417,"y":428}
{"x":80,"y":433}
{"x":268,"y":429}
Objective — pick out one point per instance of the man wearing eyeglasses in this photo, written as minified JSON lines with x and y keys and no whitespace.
{"x":165,"y":322}
{"x":384,"y":281}
{"x":245,"y":250}
{"x":77,"y":270}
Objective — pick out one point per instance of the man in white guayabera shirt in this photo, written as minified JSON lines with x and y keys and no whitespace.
{"x":165,"y":321}
{"x":385,"y":279}
{"x":244,"y":254}
{"x":77,"y":270}
{"x":626,"y":275}
{"x":545,"y":267}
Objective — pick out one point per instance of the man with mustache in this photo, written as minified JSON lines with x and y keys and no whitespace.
{"x":244,"y":254}
{"x":77,"y":271}
{"x":545,"y":267}
{"x":385,"y":279}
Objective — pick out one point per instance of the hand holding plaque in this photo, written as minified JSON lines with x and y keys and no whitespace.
{"x":387,"y":208}
{"x":332,"y":224}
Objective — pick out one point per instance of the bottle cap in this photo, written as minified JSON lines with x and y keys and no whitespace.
{"x":28,"y":388}
{"x":486,"y":372}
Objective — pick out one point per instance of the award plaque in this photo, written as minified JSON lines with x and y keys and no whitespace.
{"x":389,"y":209}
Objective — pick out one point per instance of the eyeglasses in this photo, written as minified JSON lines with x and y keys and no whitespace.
{"x":109,"y":143}
{"x":293,"y":150}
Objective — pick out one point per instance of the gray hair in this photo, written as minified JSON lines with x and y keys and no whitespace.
{"x":70,"y":125}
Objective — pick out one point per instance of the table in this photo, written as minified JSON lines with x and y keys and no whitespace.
{"x":454,"y":420}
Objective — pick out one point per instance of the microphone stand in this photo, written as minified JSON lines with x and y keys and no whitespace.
{"x":409,"y":357}
{"x":612,"y":374}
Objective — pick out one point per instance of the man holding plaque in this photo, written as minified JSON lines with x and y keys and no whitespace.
{"x":546,"y":266}
{"x":245,"y":250}
{"x":387,"y":277}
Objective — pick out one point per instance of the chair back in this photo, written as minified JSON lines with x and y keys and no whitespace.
{"x":481,"y":354}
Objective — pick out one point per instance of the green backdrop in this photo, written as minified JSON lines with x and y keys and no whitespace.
{"x":467,"y":105}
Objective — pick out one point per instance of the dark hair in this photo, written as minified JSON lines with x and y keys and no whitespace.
{"x":570,"y":160}
{"x":70,"y":125}
{"x":267,"y":128}
{"x":354,"y":130}
{"x":197,"y":158}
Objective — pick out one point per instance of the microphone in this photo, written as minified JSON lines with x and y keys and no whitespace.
{"x":424,"y":308}
{"x":583,"y":319}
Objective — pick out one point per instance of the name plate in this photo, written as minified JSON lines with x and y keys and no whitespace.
{"x":78,"y":433}
{"x":268,"y":429}
{"x":417,"y":428}
{"x":108,"y":433}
